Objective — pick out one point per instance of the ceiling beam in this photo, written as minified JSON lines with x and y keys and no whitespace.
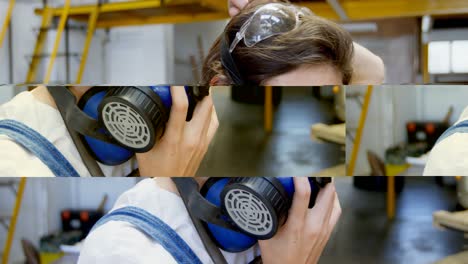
{"x":355,"y":10}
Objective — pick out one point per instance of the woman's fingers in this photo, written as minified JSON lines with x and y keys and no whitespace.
{"x":235,"y":6}
{"x":321,"y":212}
{"x":326,"y":218}
{"x":201,"y":119}
{"x":336,"y":213}
{"x":176,"y":124}
{"x":300,"y":203}
{"x":233,"y":11}
{"x":214,"y":124}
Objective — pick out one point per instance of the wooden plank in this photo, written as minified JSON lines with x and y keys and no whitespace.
{"x":333,"y":133}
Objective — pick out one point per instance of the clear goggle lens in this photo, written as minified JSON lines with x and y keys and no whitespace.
{"x":269,"y":20}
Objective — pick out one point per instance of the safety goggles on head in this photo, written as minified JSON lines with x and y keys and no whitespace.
{"x":269,"y":20}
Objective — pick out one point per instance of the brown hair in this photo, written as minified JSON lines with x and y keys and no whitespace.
{"x":316,"y":41}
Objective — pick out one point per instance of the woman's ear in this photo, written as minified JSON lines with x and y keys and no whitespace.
{"x":219,"y":80}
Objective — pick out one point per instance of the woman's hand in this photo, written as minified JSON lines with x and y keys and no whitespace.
{"x":306,"y":232}
{"x":181,"y":149}
{"x":235,"y":6}
{"x":368,"y":68}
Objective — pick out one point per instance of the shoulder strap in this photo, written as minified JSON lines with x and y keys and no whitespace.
{"x":39,"y":146}
{"x":154,"y":228}
{"x":461,"y":127}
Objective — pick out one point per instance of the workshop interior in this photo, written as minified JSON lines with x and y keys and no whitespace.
{"x":398,"y":126}
{"x":381,"y":131}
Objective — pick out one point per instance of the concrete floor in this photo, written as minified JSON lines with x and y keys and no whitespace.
{"x":365,"y":235}
{"x":242,"y":148}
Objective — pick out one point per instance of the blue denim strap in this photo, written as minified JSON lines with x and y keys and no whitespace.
{"x":461,"y":127}
{"x":154,"y":228}
{"x":39,"y":146}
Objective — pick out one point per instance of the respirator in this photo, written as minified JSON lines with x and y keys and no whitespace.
{"x":110,"y":124}
{"x":233,"y":213}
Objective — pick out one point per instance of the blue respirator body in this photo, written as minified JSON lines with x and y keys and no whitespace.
{"x":248,"y":208}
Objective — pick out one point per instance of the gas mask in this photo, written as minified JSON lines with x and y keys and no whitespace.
{"x":234,"y":213}
{"x":109,"y":124}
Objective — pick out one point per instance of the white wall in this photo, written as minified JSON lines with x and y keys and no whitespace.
{"x":44,"y":198}
{"x":140,"y":55}
{"x":398,"y":55}
{"x":186,"y":44}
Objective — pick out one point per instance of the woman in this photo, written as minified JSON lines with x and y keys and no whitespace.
{"x":326,"y":57}
{"x":300,"y":240}
{"x":315,"y":51}
{"x":179,"y":151}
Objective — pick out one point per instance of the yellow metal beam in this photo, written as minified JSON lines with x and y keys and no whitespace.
{"x":105,"y":8}
{"x":268,"y":115}
{"x":162,"y":19}
{"x":14,"y":219}
{"x":360,"y":131}
{"x":46,"y":20}
{"x":7,"y":21}
{"x":91,"y":28}
{"x":371,"y":9}
{"x":58,"y":36}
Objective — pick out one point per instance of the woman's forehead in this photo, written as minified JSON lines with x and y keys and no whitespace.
{"x":310,"y":75}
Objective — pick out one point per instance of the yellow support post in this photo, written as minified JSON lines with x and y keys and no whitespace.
{"x":46,"y":20}
{"x":425,"y":63}
{"x":391,"y":197}
{"x":7,"y":21}
{"x":12,"y":227}
{"x":91,"y":28}
{"x":61,"y":27}
{"x":360,"y":130}
{"x":268,"y":115}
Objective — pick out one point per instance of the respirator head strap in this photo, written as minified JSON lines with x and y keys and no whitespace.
{"x":188,"y":188}
{"x":65,"y":101}
{"x":75,"y":117}
{"x":201,"y":208}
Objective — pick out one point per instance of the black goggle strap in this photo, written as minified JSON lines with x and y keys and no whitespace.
{"x":228,"y":62}
{"x":66,"y":104}
{"x":200,"y":210}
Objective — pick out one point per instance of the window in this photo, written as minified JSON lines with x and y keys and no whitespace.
{"x":448,"y":57}
{"x":460,"y":56}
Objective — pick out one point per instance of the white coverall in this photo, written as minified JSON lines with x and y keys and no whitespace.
{"x":119,"y":242}
{"x":47,"y":121}
{"x":450,"y":156}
